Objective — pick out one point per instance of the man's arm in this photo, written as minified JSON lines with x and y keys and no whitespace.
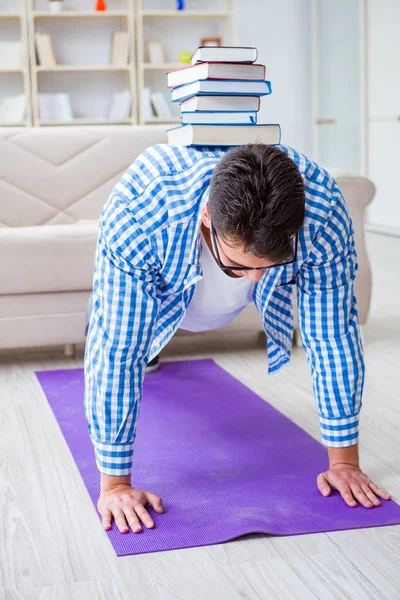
{"x":328,"y":322}
{"x":125,"y":306}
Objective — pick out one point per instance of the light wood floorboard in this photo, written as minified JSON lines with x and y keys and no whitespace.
{"x":52,"y":546}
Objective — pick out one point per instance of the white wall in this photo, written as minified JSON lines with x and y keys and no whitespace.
{"x":281,"y":30}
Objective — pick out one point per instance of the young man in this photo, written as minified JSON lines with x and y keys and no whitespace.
{"x":187,"y":238}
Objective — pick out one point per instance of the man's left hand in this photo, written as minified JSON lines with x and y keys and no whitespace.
{"x":352,"y":484}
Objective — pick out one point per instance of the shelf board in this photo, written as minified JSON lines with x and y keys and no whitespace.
{"x":182,"y":14}
{"x":162,"y":120}
{"x":12,"y":70}
{"x":10,"y":15}
{"x":162,"y":66}
{"x":83,"y":121}
{"x":14,"y":124}
{"x":71,"y":14}
{"x":60,"y":68}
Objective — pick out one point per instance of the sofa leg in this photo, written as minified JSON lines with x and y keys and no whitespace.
{"x":69,"y":350}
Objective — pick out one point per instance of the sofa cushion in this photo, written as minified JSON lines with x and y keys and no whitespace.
{"x":58,"y":175}
{"x":52,"y":258}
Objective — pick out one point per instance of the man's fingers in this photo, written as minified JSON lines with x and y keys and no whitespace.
{"x":370,"y":494}
{"x":133,"y":520}
{"x":106,"y":518}
{"x":155,"y":502}
{"x":381,"y":493}
{"x":361,"y":497}
{"x":323,"y":484}
{"x":120,"y":520}
{"x":347,"y":496}
{"x":143,"y":515}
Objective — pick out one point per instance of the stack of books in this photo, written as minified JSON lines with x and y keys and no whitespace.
{"x":219,"y":96}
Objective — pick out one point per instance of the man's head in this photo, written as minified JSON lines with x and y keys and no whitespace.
{"x":256,"y":205}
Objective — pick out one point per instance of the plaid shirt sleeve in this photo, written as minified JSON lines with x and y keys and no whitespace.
{"x":125,"y":307}
{"x":328,"y":321}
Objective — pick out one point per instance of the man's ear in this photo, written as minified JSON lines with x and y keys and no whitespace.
{"x":206,"y":216}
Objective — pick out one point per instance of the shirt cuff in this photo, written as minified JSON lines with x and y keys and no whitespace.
{"x":113,"y":459}
{"x":339,"y":432}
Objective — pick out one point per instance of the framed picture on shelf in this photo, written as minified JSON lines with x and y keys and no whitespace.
{"x":155,"y":52}
{"x":210,"y":41}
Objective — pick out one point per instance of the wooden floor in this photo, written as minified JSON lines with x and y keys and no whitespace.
{"x":52,"y":546}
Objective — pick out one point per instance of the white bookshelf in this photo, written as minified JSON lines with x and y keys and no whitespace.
{"x":15,"y":81}
{"x":177,"y":30}
{"x":83,"y":70}
{"x":81,"y":39}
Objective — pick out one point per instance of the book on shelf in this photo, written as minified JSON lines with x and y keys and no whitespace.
{"x":13,"y":109}
{"x":221,"y":86}
{"x":221,"y":103}
{"x":119,"y":106}
{"x":44,"y":50}
{"x":55,"y":107}
{"x":208,"y":70}
{"x":11,"y":55}
{"x":119,"y":48}
{"x":242,"y":54}
{"x":223,"y":135}
{"x":161,"y":106}
{"x":147,"y":106}
{"x":224,"y":118}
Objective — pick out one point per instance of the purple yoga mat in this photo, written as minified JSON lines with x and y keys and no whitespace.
{"x":224,"y":461}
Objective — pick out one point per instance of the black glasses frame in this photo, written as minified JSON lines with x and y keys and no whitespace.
{"x":226,"y":268}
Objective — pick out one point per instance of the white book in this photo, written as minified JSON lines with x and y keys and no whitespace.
{"x":15,"y":109}
{"x":147,"y":107}
{"x":119,"y":105}
{"x":221,"y":86}
{"x":224,"y":54}
{"x":64,"y":109}
{"x":11,"y":55}
{"x":223,"y":135}
{"x":125,"y":104}
{"x":227,"y":118}
{"x":46,"y":108}
{"x":221,"y":103}
{"x":6,"y":110}
{"x":161,"y":105}
{"x":215,"y":71}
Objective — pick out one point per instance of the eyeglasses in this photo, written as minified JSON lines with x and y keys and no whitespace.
{"x":295,"y":241}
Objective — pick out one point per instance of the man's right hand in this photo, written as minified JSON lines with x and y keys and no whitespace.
{"x":125,"y":504}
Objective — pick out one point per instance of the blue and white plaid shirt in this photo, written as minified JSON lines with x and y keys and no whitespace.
{"x":147,"y":265}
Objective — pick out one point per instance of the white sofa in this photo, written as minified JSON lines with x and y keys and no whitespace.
{"x":54,"y":179}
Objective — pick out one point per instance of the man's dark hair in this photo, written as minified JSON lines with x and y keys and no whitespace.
{"x":257,"y":200}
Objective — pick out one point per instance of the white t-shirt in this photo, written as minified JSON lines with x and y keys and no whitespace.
{"x":217,"y":297}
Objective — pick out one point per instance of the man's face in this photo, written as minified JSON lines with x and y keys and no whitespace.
{"x":234,"y":256}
